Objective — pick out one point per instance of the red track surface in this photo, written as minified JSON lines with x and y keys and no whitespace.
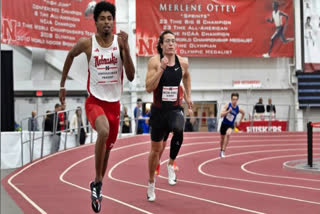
{"x":251,"y":179}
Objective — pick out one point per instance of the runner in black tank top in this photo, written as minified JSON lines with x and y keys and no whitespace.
{"x":164,"y":77}
{"x":166,"y":95}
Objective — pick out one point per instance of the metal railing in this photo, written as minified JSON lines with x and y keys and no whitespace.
{"x":42,"y":134}
{"x":283,"y":113}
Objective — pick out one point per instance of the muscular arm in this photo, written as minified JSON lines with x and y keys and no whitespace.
{"x":186,"y":79}
{"x":80,"y":46}
{"x":154,"y":74}
{"x":126,"y":59}
{"x":285,"y":15}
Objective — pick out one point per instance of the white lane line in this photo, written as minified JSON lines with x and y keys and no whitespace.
{"x":302,"y":140}
{"x":169,"y":191}
{"x":37,"y":207}
{"x":246,"y":180}
{"x":243,"y":167}
{"x":244,"y":190}
{"x":242,"y":135}
{"x":27,"y":167}
{"x":88,"y":190}
{"x":49,"y":156}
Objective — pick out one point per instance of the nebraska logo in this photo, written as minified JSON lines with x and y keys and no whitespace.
{"x":105,"y":61}
{"x":115,"y":48}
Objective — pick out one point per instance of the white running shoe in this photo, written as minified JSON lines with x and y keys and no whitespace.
{"x":290,"y":39}
{"x":222,"y":155}
{"x":266,"y":55}
{"x":151,"y":196}
{"x":172,"y":178}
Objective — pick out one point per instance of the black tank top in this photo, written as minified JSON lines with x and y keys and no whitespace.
{"x":166,"y":95}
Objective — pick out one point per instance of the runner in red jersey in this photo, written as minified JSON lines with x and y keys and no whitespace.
{"x":107,"y":54}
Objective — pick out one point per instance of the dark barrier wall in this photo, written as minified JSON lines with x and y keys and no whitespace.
{"x":7,"y":102}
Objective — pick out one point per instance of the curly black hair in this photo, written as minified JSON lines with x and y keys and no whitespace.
{"x":104,"y":6}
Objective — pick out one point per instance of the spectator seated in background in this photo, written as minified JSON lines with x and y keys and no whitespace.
{"x":259,"y":110}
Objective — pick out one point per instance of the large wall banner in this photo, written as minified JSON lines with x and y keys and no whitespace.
{"x":311,"y":35}
{"x":219,"y":28}
{"x":52,"y":24}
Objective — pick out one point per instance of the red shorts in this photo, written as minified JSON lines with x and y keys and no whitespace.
{"x":95,"y":107}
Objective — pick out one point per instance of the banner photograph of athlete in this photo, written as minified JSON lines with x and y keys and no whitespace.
{"x":277,"y":19}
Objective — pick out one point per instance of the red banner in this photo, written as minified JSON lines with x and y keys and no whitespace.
{"x":221,"y":28}
{"x":48,"y":24}
{"x":263,"y":126}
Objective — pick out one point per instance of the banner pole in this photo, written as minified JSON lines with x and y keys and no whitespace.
{"x":302,"y":34}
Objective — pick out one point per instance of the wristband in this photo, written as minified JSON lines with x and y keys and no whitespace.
{"x":62,"y":88}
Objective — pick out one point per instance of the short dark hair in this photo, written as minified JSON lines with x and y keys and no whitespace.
{"x":235,"y":95}
{"x":160,"y":41}
{"x":139,"y":100}
{"x":57,"y":105}
{"x":104,"y":6}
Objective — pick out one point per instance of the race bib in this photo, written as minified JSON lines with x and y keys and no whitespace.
{"x":230,"y":117}
{"x":108,"y":76}
{"x":169,"y":94}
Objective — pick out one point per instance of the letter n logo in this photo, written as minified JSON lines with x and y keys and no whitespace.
{"x":8,"y":30}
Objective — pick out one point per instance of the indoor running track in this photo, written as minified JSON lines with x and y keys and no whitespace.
{"x":251,"y":179}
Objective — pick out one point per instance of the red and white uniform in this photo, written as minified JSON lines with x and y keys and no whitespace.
{"x":105,"y":71}
{"x":105,"y":76}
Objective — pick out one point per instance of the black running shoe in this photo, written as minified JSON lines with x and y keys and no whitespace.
{"x":96,"y":196}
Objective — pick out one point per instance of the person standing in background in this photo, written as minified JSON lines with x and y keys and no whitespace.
{"x":77,"y":127}
{"x":138,"y":117}
{"x":126,"y":121}
{"x":259,"y":110}
{"x":33,"y":122}
{"x":212,"y":123}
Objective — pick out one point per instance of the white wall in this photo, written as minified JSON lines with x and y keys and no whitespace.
{"x":22,"y":62}
{"x":212,"y":78}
